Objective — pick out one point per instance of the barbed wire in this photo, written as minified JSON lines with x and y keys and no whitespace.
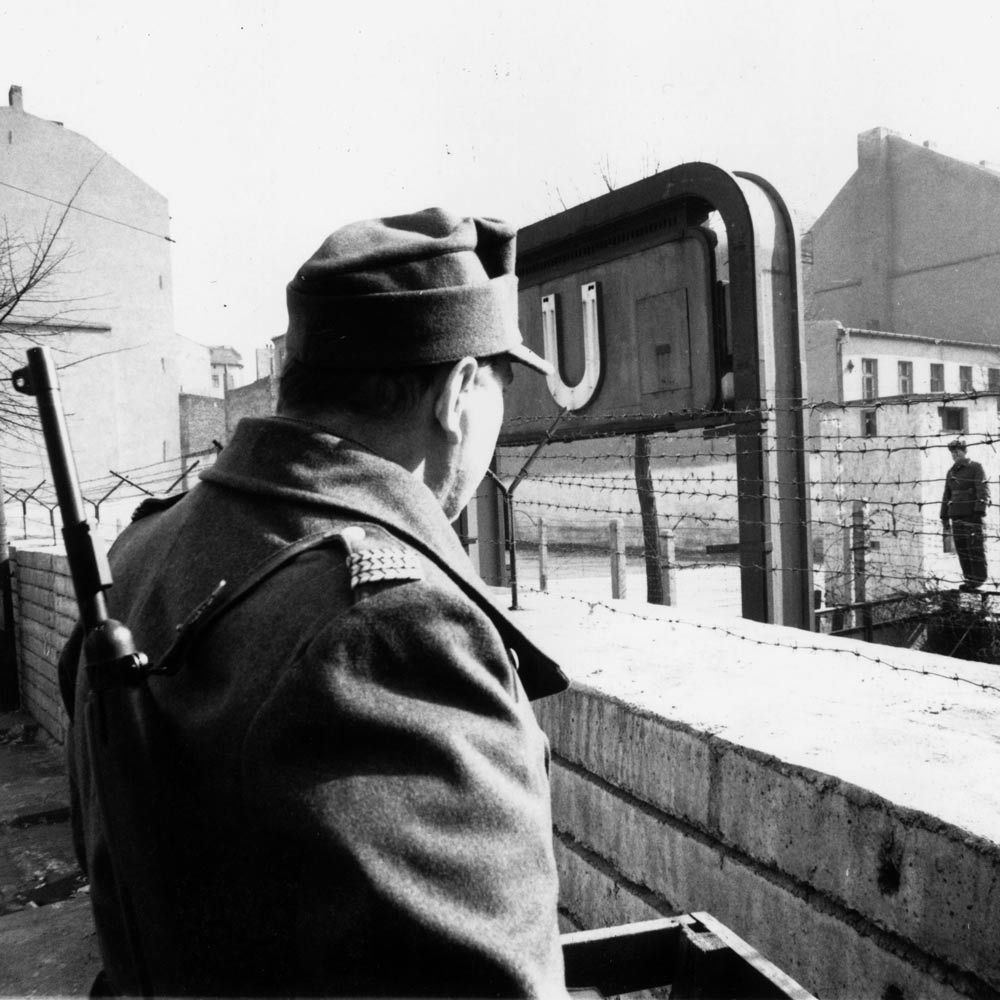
{"x":804,"y":647}
{"x":625,"y":480}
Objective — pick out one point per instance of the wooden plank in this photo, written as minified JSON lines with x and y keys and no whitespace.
{"x":758,"y":978}
{"x":693,"y":953}
{"x":623,"y":959}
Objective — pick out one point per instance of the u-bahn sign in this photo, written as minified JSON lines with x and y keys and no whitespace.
{"x":622,"y":296}
{"x":627,"y":317}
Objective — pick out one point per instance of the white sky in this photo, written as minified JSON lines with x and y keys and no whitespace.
{"x":268,"y":123}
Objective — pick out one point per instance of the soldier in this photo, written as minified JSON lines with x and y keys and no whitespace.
{"x":347,"y":792}
{"x":963,"y":507}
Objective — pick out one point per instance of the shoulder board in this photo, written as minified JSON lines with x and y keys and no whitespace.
{"x":375,"y":556}
{"x":154,"y":505}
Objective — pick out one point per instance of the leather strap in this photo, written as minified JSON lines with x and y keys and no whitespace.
{"x":225,"y":596}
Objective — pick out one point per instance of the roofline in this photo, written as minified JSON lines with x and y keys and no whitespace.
{"x":920,"y":338}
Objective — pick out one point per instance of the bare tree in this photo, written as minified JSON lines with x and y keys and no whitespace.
{"x":32,"y":309}
{"x":607,"y":171}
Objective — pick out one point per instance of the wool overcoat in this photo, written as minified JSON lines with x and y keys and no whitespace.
{"x":966,"y":492}
{"x":342,"y":790}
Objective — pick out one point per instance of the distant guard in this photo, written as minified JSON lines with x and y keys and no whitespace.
{"x":963,"y":507}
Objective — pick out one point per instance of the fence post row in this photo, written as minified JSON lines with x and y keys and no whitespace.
{"x":859,"y":550}
{"x":668,"y":566}
{"x":543,"y":555}
{"x":619,"y":568}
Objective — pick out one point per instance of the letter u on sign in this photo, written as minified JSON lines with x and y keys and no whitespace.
{"x":576,"y":396}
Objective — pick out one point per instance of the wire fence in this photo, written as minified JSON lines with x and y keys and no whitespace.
{"x":629,"y":520}
{"x":109,"y":500}
{"x":883,"y":566}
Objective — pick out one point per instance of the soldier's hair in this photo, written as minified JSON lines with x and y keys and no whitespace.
{"x":381,"y":394}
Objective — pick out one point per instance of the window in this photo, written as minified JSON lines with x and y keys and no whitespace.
{"x":905,"y":378}
{"x":954,"y":419}
{"x":993,"y":379}
{"x":965,"y":378}
{"x":937,"y":378}
{"x":869,"y":378}
{"x":215,"y":379}
{"x":869,"y":423}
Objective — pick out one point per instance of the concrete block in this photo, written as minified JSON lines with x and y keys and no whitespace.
{"x":34,"y":576}
{"x":648,"y":847}
{"x":830,"y":950}
{"x":662,"y":763}
{"x":590,"y":895}
{"x":37,"y":604}
{"x":908,"y":872}
{"x":62,"y":584}
{"x":34,"y":559}
{"x":38,"y":638}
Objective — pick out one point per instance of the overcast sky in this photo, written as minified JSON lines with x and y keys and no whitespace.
{"x":267,"y":124}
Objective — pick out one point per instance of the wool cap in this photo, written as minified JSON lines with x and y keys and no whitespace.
{"x":406,"y":291}
{"x":957,"y":443}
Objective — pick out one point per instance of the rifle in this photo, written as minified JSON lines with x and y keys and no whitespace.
{"x":115,"y":669}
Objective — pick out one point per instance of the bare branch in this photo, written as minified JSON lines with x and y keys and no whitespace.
{"x":606,"y":172}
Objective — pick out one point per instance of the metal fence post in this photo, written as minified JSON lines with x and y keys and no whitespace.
{"x":668,"y":566}
{"x":646,"y":492}
{"x":619,"y":571}
{"x":859,"y":549}
{"x":543,"y":556}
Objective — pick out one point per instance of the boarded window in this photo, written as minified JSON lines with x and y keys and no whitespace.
{"x":869,"y":378}
{"x":905,"y":378}
{"x":954,"y":419}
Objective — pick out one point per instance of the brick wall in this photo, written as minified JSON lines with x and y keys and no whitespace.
{"x":203,"y":420}
{"x":258,"y":399}
{"x":44,"y":612}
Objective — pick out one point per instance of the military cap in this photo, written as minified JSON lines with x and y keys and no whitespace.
{"x":407,"y":291}
{"x":956,"y":444}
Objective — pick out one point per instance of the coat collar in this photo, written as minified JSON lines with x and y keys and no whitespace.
{"x":293,"y":460}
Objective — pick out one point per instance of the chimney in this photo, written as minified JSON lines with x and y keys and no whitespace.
{"x":15,"y":98}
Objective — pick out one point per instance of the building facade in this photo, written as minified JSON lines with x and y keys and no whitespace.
{"x":910,"y":243}
{"x":878,"y":367}
{"x":107,"y":309}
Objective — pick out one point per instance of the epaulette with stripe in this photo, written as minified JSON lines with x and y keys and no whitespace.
{"x":153,"y":505}
{"x":374,"y":556}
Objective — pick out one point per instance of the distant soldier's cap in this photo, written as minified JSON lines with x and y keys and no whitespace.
{"x":407,"y":291}
{"x":958,"y":443}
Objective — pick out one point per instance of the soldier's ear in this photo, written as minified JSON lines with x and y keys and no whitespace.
{"x":453,"y":398}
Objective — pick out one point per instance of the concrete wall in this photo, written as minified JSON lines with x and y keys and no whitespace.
{"x":654,"y":818}
{"x":838,"y":809}
{"x":828,"y":808}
